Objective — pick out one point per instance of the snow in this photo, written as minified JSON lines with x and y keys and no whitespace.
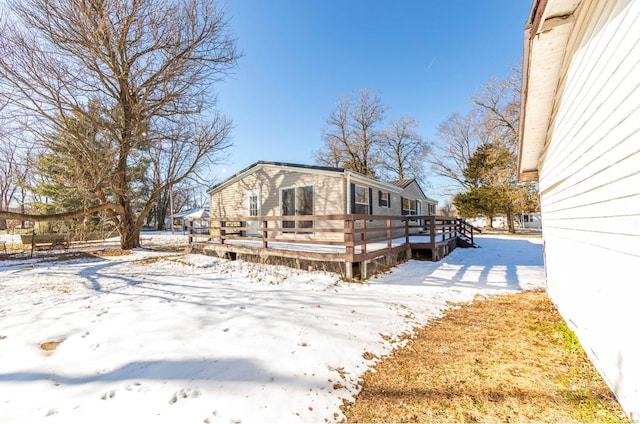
{"x":169,"y":337}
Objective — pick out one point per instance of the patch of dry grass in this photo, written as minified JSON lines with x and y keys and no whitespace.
{"x":502,"y":359}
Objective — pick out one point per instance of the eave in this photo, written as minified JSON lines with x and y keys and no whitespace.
{"x":546,"y":37}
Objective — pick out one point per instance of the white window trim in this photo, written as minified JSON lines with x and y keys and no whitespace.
{"x":366,"y":192}
{"x":249,"y":196}
{"x":409,"y":210}
{"x":388,"y":200}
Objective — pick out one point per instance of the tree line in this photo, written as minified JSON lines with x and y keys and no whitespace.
{"x":475,"y":152}
{"x":111,"y":104}
{"x":106,"y":107}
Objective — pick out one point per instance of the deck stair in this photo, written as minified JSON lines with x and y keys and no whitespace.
{"x":465,"y":234}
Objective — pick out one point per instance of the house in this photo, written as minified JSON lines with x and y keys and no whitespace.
{"x":182,"y":219}
{"x":282,"y":189}
{"x":530,"y":220}
{"x":580,"y":138}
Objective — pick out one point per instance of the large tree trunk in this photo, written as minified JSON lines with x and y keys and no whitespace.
{"x":128,"y":228}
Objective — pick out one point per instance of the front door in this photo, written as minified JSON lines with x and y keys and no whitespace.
{"x":297,"y":201}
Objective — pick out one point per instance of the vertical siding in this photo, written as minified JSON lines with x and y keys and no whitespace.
{"x":590,"y":192}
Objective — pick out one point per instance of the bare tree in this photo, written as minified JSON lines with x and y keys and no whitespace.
{"x":478,"y":153}
{"x":457,"y":141}
{"x":352,"y":135}
{"x":148,"y":66}
{"x":402,"y":150}
{"x":498,"y":106}
{"x":447,"y":209}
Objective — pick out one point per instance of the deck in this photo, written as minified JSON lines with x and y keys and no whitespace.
{"x":355,"y":246}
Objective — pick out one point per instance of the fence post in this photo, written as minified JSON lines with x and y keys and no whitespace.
{"x":190,"y":232}
{"x":223,"y":231}
{"x":33,"y":241}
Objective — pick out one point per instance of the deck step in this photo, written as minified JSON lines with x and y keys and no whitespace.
{"x":465,"y":242}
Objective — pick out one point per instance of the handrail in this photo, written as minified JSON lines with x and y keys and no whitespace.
{"x":467,"y":229}
{"x":358,"y":231}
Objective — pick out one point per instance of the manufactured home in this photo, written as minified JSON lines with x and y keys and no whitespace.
{"x":285,"y":189}
{"x":580,"y":138}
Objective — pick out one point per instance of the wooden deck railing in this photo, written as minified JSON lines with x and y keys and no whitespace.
{"x":363,"y":237}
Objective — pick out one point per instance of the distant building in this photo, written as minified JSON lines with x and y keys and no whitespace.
{"x":580,"y":138}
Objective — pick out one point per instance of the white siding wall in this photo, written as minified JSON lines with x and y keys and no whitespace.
{"x":590,"y":192}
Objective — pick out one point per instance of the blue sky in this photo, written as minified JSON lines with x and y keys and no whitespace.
{"x":425,"y":58}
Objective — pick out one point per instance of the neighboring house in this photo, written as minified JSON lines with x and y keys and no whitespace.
{"x":524,"y":220}
{"x":181,"y":219}
{"x":580,"y":138}
{"x":281,"y":189}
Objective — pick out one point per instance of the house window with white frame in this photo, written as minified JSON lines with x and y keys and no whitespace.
{"x":409,"y":206}
{"x":361,"y":200}
{"x":384,"y":199}
{"x":253,"y":204}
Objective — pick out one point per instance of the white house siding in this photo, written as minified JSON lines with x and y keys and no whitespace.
{"x":590,"y":192}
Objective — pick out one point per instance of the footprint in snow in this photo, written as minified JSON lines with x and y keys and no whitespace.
{"x":108,"y":395}
{"x":184,"y":394}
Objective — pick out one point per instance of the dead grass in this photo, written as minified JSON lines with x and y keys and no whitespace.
{"x":503,"y":359}
{"x":49,"y":346}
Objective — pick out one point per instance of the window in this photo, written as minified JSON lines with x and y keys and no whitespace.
{"x":361,"y":200}
{"x":526,"y":217}
{"x":253,"y":204}
{"x":297,"y":201}
{"x":384,"y":199}
{"x":408,"y":206}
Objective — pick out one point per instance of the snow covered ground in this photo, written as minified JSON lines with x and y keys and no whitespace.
{"x":176,"y":338}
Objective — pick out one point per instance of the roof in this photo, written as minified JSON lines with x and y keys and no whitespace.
{"x":545,"y":48}
{"x":193,"y":213}
{"x":403,"y":183}
{"x":268,"y":163}
{"x":323,"y":169}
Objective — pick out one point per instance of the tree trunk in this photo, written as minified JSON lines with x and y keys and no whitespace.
{"x":512,"y":228}
{"x":129,"y":231}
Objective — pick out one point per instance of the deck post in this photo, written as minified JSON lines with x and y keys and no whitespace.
{"x":348,"y":270}
{"x":432,"y":238}
{"x":406,"y":231}
{"x":265,"y":224}
{"x":389,"y":235}
{"x":348,"y":239}
{"x":222,"y":231}
{"x":190,"y":232}
{"x":349,"y":247}
{"x":363,"y":236}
